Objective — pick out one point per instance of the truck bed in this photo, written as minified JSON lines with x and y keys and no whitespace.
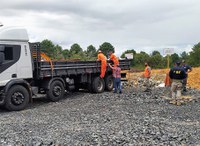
{"x":67,"y":68}
{"x":44,"y":69}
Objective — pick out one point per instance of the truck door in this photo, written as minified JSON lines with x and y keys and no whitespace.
{"x":10,"y":55}
{"x":24,"y":64}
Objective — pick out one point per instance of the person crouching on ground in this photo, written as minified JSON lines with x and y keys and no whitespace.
{"x":117,"y":78}
{"x":177,"y":74}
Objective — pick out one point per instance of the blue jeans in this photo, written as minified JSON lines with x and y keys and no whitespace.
{"x":117,"y":84}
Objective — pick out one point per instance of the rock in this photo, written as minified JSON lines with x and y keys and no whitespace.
{"x":133,"y":118}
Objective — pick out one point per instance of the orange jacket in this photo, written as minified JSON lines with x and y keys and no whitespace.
{"x":101,"y":57}
{"x":103,"y":60}
{"x":147,"y":72}
{"x":114,"y":59}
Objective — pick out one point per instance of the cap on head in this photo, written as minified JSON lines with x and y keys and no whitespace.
{"x":178,"y":63}
{"x":99,"y":51}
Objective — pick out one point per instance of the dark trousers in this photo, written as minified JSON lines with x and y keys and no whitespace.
{"x":184,"y":81}
{"x":117,"y":84}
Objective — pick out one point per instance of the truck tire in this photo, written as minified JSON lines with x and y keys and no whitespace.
{"x":56,"y":91}
{"x":109,"y":83}
{"x":98,"y":85}
{"x":17,"y":98}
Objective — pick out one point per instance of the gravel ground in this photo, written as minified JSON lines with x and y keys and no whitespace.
{"x":128,"y":119}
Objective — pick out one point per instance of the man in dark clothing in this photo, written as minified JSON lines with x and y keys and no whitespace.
{"x":187,"y":69}
{"x":177,"y":74}
{"x":117,"y":78}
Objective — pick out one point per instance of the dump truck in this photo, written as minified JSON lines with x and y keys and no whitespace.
{"x":23,"y":72}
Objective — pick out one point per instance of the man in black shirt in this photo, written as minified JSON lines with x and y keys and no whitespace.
{"x":177,"y":74}
{"x":187,"y":69}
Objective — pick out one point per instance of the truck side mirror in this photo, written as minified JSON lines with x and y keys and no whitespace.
{"x":2,"y":57}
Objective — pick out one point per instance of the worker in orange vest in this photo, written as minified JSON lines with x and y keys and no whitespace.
{"x":103,"y":60}
{"x":147,"y":75}
{"x":114,"y":58}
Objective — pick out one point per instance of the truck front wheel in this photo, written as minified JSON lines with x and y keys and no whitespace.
{"x":56,"y":91}
{"x":17,"y":98}
{"x":98,"y":85}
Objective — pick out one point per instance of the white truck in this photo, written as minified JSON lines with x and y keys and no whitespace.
{"x":23,"y":73}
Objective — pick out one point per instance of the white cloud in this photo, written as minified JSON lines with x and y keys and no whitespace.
{"x":144,"y":25}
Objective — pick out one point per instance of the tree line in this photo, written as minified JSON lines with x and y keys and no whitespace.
{"x":76,"y":52}
{"x":155,"y":59}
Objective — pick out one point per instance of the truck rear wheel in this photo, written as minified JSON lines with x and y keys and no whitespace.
{"x":98,"y":85}
{"x":56,"y":91}
{"x":17,"y":98}
{"x":109,"y":83}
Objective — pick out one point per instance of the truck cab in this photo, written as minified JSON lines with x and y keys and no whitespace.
{"x":15,"y":56}
{"x":15,"y":61}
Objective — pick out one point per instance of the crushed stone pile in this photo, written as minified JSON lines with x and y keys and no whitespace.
{"x":131,"y":118}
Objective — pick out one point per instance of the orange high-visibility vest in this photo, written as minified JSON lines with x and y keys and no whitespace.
{"x":114,"y":59}
{"x":147,"y":72}
{"x":102,"y":58}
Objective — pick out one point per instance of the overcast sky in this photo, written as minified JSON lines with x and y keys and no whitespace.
{"x":142,"y":25}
